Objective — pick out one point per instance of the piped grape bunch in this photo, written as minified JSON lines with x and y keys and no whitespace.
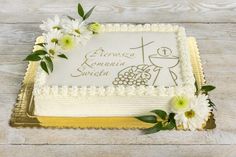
{"x":133,"y":75}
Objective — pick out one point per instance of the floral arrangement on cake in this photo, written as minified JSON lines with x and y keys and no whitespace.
{"x":187,"y":113}
{"x":61,"y":35}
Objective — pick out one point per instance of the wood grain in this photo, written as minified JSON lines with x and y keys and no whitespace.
{"x":212,"y":22}
{"x":118,"y":150}
{"x":122,"y":11}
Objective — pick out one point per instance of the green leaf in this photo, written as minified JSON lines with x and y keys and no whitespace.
{"x":80,"y":10}
{"x":41,"y":44}
{"x":49,"y":63}
{"x":171,"y":120}
{"x":171,"y":116}
{"x":162,"y":114}
{"x":153,"y":129}
{"x":207,"y":88}
{"x":71,"y":18}
{"x":40,"y":52}
{"x":44,"y":66}
{"x":88,"y":13}
{"x":211,"y":104}
{"x":32,"y":57}
{"x":196,"y":86}
{"x":147,"y":118}
{"x":62,"y":56}
{"x":169,"y":126}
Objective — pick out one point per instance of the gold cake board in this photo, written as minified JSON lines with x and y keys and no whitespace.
{"x":23,"y":116}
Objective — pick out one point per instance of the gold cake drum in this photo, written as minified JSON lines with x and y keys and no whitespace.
{"x":23,"y":112}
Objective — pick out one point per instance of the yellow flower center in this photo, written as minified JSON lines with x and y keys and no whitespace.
{"x":54,"y":40}
{"x":189,"y":114}
{"x":51,"y":51}
{"x":180,"y":103}
{"x":77,"y":31}
{"x":56,"y":27}
{"x":67,"y":42}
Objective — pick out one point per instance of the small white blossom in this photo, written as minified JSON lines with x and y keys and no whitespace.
{"x":52,"y":48}
{"x":197,"y":114}
{"x":78,"y":29}
{"x":51,"y":24}
{"x":53,"y":36}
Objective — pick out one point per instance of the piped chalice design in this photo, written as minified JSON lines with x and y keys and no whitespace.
{"x":164,"y":60}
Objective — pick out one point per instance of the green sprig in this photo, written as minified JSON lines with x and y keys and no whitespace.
{"x":81,"y":12}
{"x":161,"y":119}
{"x":44,"y":58}
{"x":207,"y":88}
{"x":62,"y":56}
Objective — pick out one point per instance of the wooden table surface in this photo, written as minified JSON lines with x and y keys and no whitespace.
{"x":212,"y":22}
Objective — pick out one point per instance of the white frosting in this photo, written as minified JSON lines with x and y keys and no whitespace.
{"x":83,"y":100}
{"x":95,"y":106}
{"x":187,"y":86}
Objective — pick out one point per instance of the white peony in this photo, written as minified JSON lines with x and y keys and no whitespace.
{"x":197,"y":114}
{"x":51,"y":24}
{"x":53,"y":36}
{"x":78,"y":29}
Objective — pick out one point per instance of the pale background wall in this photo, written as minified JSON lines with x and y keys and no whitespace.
{"x":212,"y":22}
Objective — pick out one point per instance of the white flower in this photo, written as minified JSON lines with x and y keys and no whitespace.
{"x":197,"y":114}
{"x":40,"y":39}
{"x":179,"y":103}
{"x":52,"y":48}
{"x":77,"y":28}
{"x":51,"y":24}
{"x":37,"y":47}
{"x":67,"y":42}
{"x":53,"y":36}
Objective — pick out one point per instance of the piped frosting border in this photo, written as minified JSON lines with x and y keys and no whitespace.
{"x":40,"y":87}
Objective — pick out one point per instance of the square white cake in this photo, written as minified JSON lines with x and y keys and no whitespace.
{"x":126,"y":70}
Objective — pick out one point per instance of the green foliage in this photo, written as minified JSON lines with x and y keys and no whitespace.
{"x":35,"y":56}
{"x":40,"y":44}
{"x":161,"y":119}
{"x":162,"y":114}
{"x":44,"y":66}
{"x":207,"y":88}
{"x":71,"y":18}
{"x":147,"y":118}
{"x":156,"y":128}
{"x":49,"y":63}
{"x":88,"y":13}
{"x":32,"y":57}
{"x":81,"y":12}
{"x":62,"y":56}
{"x":39,"y":52}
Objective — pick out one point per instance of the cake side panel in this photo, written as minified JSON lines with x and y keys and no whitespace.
{"x":98,"y":106}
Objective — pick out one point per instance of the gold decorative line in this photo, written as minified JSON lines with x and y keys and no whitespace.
{"x":142,"y":50}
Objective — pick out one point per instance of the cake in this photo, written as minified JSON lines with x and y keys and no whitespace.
{"x":126,"y":70}
{"x":115,"y":70}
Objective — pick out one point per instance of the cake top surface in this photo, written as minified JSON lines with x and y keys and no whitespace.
{"x":124,"y":56}
{"x":121,"y":58}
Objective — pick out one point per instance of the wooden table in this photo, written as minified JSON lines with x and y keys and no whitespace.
{"x":212,"y":22}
